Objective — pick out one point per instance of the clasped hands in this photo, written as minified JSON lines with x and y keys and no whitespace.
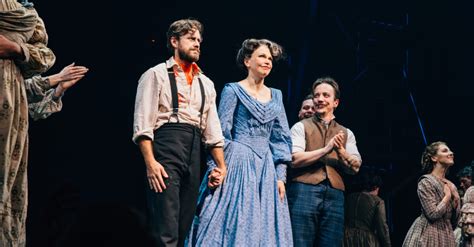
{"x":336,"y":143}
{"x":451,"y":192}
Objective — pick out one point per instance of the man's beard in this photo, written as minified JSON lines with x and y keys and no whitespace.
{"x":186,"y":57}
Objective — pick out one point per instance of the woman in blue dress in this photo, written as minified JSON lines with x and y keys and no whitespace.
{"x":249,"y":208}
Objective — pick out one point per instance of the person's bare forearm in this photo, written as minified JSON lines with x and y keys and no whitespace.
{"x":349,"y":160}
{"x":146,"y":148}
{"x":302,"y":159}
{"x":218,"y":155}
{"x":54,"y":79}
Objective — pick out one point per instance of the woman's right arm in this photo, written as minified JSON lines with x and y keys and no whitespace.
{"x":432,"y":207}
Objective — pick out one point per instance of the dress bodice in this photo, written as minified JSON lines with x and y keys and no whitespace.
{"x":252,"y":122}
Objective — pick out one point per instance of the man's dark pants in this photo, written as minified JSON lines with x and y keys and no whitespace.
{"x":178,"y":148}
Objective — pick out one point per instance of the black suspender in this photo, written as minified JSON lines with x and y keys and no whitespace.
{"x":203,"y":100}
{"x":174,"y":95}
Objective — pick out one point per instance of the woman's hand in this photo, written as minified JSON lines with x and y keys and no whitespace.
{"x":70,"y":73}
{"x":281,"y":189}
{"x":454,"y":193}
{"x":447,"y":193}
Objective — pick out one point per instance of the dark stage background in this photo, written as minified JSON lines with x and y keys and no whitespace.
{"x":401,"y":65}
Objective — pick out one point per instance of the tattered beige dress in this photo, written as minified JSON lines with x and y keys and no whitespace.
{"x":25,"y":28}
{"x":466,"y":221}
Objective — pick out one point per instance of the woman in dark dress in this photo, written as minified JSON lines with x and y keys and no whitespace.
{"x":365,"y":221}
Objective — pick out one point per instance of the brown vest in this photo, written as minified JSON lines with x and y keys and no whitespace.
{"x":317,"y":136}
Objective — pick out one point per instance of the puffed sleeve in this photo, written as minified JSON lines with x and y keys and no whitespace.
{"x":227,"y":105}
{"x":41,"y":100}
{"x":36,"y":88}
{"x":46,"y":106}
{"x":280,"y":141}
{"x":38,"y":57}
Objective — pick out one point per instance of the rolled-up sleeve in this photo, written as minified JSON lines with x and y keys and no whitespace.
{"x":212,"y":133}
{"x":351,"y":145}
{"x":38,"y":59}
{"x":146,"y":105}
{"x":298,"y":137}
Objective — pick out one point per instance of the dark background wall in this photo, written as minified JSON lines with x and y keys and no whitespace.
{"x":388,"y":56}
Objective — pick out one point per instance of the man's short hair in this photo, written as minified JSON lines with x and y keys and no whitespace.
{"x":309,"y":96}
{"x":331,"y":82}
{"x":180,"y":28}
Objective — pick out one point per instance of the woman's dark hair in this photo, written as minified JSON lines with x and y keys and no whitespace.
{"x":370,"y":182}
{"x":250,"y":45}
{"x":427,"y":163}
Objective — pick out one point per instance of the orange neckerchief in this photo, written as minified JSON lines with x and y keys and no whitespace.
{"x":189,"y":71}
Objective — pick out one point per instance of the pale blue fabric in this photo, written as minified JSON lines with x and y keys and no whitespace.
{"x":246,"y":209}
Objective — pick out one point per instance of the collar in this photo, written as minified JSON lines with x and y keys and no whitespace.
{"x":318,"y":119}
{"x":172,"y":63}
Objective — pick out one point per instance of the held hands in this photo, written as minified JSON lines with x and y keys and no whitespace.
{"x":156,"y":174}
{"x":281,"y":189}
{"x":216,"y":177}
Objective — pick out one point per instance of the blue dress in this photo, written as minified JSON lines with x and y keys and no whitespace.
{"x":246,"y":209}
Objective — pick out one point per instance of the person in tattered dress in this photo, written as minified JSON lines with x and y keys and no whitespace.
{"x":250,"y":208}
{"x":23,"y":53}
{"x":466,"y":221}
{"x":440,"y":202}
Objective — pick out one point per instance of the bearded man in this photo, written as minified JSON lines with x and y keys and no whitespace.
{"x":175,"y":109}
